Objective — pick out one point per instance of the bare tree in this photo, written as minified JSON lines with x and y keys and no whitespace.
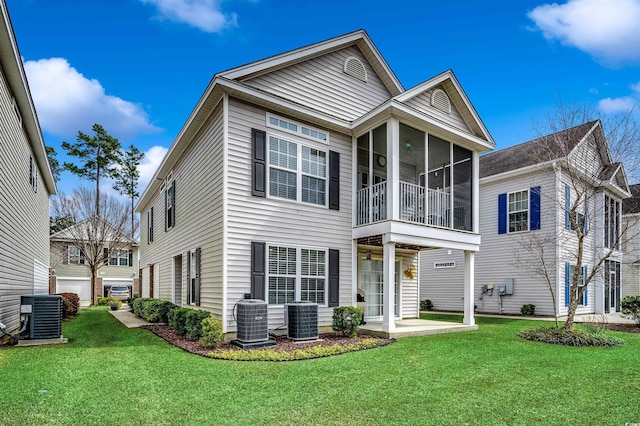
{"x":95,"y":236}
{"x":589,"y":162}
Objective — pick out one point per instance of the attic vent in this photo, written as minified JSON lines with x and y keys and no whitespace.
{"x":440,"y":100}
{"x":354,"y":67}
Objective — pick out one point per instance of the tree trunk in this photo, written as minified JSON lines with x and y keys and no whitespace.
{"x":571,"y":312}
{"x":132,"y":219}
{"x":94,"y":301}
{"x":98,"y":190}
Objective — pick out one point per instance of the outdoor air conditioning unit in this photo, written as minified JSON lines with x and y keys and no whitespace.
{"x":44,"y":316}
{"x":252,"y":321}
{"x":302,"y":320}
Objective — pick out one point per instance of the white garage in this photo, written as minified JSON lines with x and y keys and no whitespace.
{"x":80,"y":286}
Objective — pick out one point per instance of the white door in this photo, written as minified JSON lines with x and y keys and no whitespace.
{"x":371,"y":282}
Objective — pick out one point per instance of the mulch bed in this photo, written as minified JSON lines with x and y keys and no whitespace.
{"x":283,"y":344}
{"x":626,"y":328}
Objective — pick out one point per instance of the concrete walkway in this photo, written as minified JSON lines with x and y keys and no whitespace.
{"x":126,"y":317}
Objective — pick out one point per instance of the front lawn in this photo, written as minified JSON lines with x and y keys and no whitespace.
{"x":108,"y":374}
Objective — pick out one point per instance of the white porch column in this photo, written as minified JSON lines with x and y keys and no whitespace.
{"x":469,"y":273}
{"x":388,"y":277}
{"x":393,"y":169}
{"x":598,"y":287}
{"x":475,"y":192}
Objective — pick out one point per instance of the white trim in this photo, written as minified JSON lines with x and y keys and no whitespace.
{"x":225,"y":207}
{"x":300,"y":128}
{"x":528,"y":210}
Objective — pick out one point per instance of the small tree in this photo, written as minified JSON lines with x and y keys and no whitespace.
{"x":98,"y":154}
{"x":96,"y":236}
{"x":126,"y":177}
{"x":54,"y":164}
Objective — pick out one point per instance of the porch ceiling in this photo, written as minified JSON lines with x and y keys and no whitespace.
{"x":376,"y":241}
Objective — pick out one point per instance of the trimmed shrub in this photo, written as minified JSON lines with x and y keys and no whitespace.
{"x":212,"y":334}
{"x":131,"y":299}
{"x":156,"y":310}
{"x":346,"y":320}
{"x":178,"y":320}
{"x":426,"y":305}
{"x":105,"y":301}
{"x":528,"y":309}
{"x":70,"y":304}
{"x":194,"y":323}
{"x":560,"y":336}
{"x":630,"y":308}
{"x":138,"y":305}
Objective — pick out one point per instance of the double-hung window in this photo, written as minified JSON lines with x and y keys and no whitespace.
{"x":296,"y":274}
{"x":75,"y":255}
{"x":297,"y":172}
{"x":582,"y":301}
{"x":519,"y":211}
{"x":119,"y":258}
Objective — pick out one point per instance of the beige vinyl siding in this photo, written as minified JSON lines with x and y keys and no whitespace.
{"x":444,"y":287}
{"x":422,"y":103}
{"x":67,"y":270}
{"x":199,"y":220}
{"x":145,"y":274}
{"x":409,"y":287}
{"x":24,"y":214}
{"x":321,"y":83}
{"x":278,"y":221}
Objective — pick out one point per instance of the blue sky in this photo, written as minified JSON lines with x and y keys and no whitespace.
{"x":138,"y":67}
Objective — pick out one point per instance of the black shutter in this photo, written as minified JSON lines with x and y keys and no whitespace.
{"x":259,"y":144}
{"x":334,"y":180}
{"x":173,"y":203}
{"x":65,"y":255}
{"x":105,"y":252}
{"x":196,"y":291}
{"x":189,"y":295}
{"x":166,"y":216}
{"x":81,"y":257}
{"x":334,"y":277}
{"x":130,"y":257}
{"x":258,"y":270}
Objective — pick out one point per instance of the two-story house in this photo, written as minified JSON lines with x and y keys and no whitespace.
{"x":528,"y":193}
{"x":26,"y":183}
{"x":314,"y":175}
{"x":71,"y":273}
{"x":631,"y":243}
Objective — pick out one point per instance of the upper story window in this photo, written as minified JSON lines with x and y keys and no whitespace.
{"x":170,"y":205}
{"x":119,"y":258}
{"x":612,"y":221}
{"x":75,"y":256}
{"x":150,"y":226}
{"x":299,"y":129}
{"x":297,"y":274}
{"x":519,"y":211}
{"x":297,"y":172}
{"x":33,"y":174}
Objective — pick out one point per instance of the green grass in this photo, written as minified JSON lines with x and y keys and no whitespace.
{"x":110,"y":375}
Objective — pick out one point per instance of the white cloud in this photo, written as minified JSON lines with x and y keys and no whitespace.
{"x":149,"y":164}
{"x":67,"y":101}
{"x":206,"y":15}
{"x":623,"y":104}
{"x":608,"y":30}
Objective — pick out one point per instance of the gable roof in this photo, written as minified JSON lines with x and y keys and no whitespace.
{"x":459,"y":98}
{"x":632,"y":205}
{"x":72,"y":232}
{"x":546,"y":148}
{"x":360,"y":38}
{"x":12,"y":69}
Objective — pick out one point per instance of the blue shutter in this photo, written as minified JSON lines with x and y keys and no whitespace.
{"x":534,"y":207}
{"x":585,"y":298}
{"x":567,"y":283}
{"x":502,"y":214}
{"x":567,"y":206}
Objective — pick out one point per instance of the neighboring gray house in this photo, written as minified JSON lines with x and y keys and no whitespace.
{"x":311,"y":175}
{"x":26,"y":183}
{"x":631,"y":243}
{"x":525,"y":193}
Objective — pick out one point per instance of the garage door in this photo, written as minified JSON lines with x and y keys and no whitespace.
{"x":79,"y":286}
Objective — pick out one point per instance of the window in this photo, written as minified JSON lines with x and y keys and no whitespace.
{"x":170,"y":203}
{"x":306,"y":183}
{"x":299,"y":129}
{"x":33,"y":174}
{"x":75,"y":255}
{"x":296,"y":274}
{"x":612,"y":212}
{"x":581,"y":277}
{"x":519,"y":211}
{"x":150,"y":226}
{"x":119,"y":258}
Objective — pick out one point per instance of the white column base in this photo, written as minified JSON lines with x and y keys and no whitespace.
{"x":469,"y":297}
{"x":388,"y":296}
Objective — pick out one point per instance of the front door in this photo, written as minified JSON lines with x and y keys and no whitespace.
{"x":371,"y":282}
{"x":612,"y":287}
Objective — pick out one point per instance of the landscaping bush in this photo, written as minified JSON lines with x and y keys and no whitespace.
{"x":212,"y":334}
{"x":346,"y":320}
{"x":630,"y":308}
{"x":194,"y":323}
{"x":115,"y":305}
{"x":178,"y":320}
{"x":156,"y":310}
{"x":131,"y":299}
{"x":426,"y":305}
{"x":70,"y":304}
{"x":560,"y":336}
{"x":105,"y":301}
{"x":528,"y":309}
{"x":138,"y":305}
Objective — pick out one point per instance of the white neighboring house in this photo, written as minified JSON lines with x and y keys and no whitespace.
{"x":26,"y":183}
{"x":71,"y":274}
{"x":525,"y":193}
{"x":310,"y":175}
{"x":631,"y":243}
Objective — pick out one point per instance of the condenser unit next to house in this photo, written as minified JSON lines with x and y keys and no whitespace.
{"x":44,"y":316}
{"x":252,"y":320}
{"x":302,"y":320}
